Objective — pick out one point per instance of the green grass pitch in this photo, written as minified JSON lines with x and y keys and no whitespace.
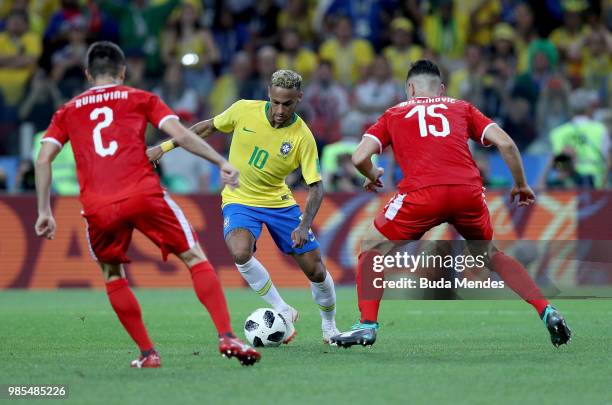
{"x":428,"y":352}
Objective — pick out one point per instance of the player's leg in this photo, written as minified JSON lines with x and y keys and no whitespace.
{"x":364,"y":332}
{"x":108,"y":237}
{"x":473,"y":222}
{"x":406,"y":217}
{"x":241,"y":243}
{"x":322,"y":288}
{"x":127,"y":308}
{"x":280,"y":223}
{"x":210,"y":293}
{"x":164,"y":223}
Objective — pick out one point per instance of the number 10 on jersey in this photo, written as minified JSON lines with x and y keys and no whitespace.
{"x":259,"y":157}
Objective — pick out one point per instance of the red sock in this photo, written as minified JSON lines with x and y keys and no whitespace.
{"x":367,"y":296}
{"x":128,"y":311}
{"x":208,"y":289}
{"x":517,"y":278}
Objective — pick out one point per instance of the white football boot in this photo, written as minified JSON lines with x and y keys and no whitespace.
{"x":290,"y":315}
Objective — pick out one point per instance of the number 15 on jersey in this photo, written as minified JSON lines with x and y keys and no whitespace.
{"x":430,"y":111}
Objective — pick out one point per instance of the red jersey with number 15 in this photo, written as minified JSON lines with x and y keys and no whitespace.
{"x":106,"y":127}
{"x":429,"y":137}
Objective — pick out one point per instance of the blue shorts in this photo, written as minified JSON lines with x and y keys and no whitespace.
{"x":279,"y":221}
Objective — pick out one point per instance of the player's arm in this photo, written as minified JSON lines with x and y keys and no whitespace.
{"x":299,"y":236}
{"x":362,"y":159}
{"x":45,"y":224}
{"x":203,"y":129}
{"x":187,"y":139}
{"x":511,"y":155}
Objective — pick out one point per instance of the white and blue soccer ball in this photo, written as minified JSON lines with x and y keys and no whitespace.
{"x":265,"y":328}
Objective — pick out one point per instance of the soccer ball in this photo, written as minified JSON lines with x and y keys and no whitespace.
{"x":265,"y":327}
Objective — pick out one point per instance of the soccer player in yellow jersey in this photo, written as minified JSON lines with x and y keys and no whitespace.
{"x":270,"y":141}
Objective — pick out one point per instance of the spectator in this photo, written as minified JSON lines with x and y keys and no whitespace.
{"x":325,"y":102}
{"x":585,"y":140}
{"x":36,"y":21}
{"x":345,"y":178}
{"x":445,"y":30}
{"x":552,"y":109}
{"x":299,"y":17}
{"x":504,"y":38}
{"x":543,"y":59}
{"x":498,"y":86}
{"x":180,"y":98}
{"x":230,"y":35}
{"x":266,"y":65}
{"x":264,"y":23}
{"x":402,"y":51}
{"x":596,"y":55}
{"x":234,"y":85}
{"x":564,"y":174}
{"x":374,"y":96}
{"x":483,"y":17}
{"x":68,"y":61}
{"x":187,"y":42}
{"x":468,"y":83}
{"x":19,"y":52}
{"x":572,"y":31}
{"x":69,"y":9}
{"x":40,"y":102}
{"x":140,"y":25}
{"x":349,"y":56}
{"x":330,"y":155}
{"x":519,"y":122}
{"x":368,"y":17}
{"x":136,"y":63}
{"x":525,"y":33}
{"x":294,"y":56}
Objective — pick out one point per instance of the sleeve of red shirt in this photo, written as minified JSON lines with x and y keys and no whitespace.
{"x":56,"y":132}
{"x":478,"y":124}
{"x":158,"y":112}
{"x":379,"y":131}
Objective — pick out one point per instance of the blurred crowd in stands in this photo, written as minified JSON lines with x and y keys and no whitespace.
{"x":541,"y":69}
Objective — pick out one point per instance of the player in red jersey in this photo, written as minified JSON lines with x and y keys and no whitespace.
{"x":429,"y":135}
{"x":120,"y":192}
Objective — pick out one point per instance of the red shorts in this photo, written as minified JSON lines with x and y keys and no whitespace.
{"x":409,"y":215}
{"x":109,"y":229}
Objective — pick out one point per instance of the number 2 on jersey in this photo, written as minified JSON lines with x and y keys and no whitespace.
{"x":430,"y":111}
{"x":97,"y":132}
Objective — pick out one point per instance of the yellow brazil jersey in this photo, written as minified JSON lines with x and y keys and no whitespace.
{"x":265,"y":155}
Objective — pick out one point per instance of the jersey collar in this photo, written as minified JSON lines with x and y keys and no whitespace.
{"x":104,"y":86}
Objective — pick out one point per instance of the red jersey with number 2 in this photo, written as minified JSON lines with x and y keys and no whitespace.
{"x":106,"y":127}
{"x":429,"y":137}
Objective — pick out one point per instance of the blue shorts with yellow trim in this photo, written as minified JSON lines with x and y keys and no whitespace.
{"x":279,"y":221}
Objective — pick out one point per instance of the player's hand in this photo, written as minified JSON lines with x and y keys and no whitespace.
{"x":373,"y":186}
{"x":230,"y":175}
{"x":299,"y":236}
{"x":525,"y":195}
{"x":155,"y":153}
{"x":45,"y":226}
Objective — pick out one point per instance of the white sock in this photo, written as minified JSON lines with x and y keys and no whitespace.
{"x":324,"y":294}
{"x":259,"y":279}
